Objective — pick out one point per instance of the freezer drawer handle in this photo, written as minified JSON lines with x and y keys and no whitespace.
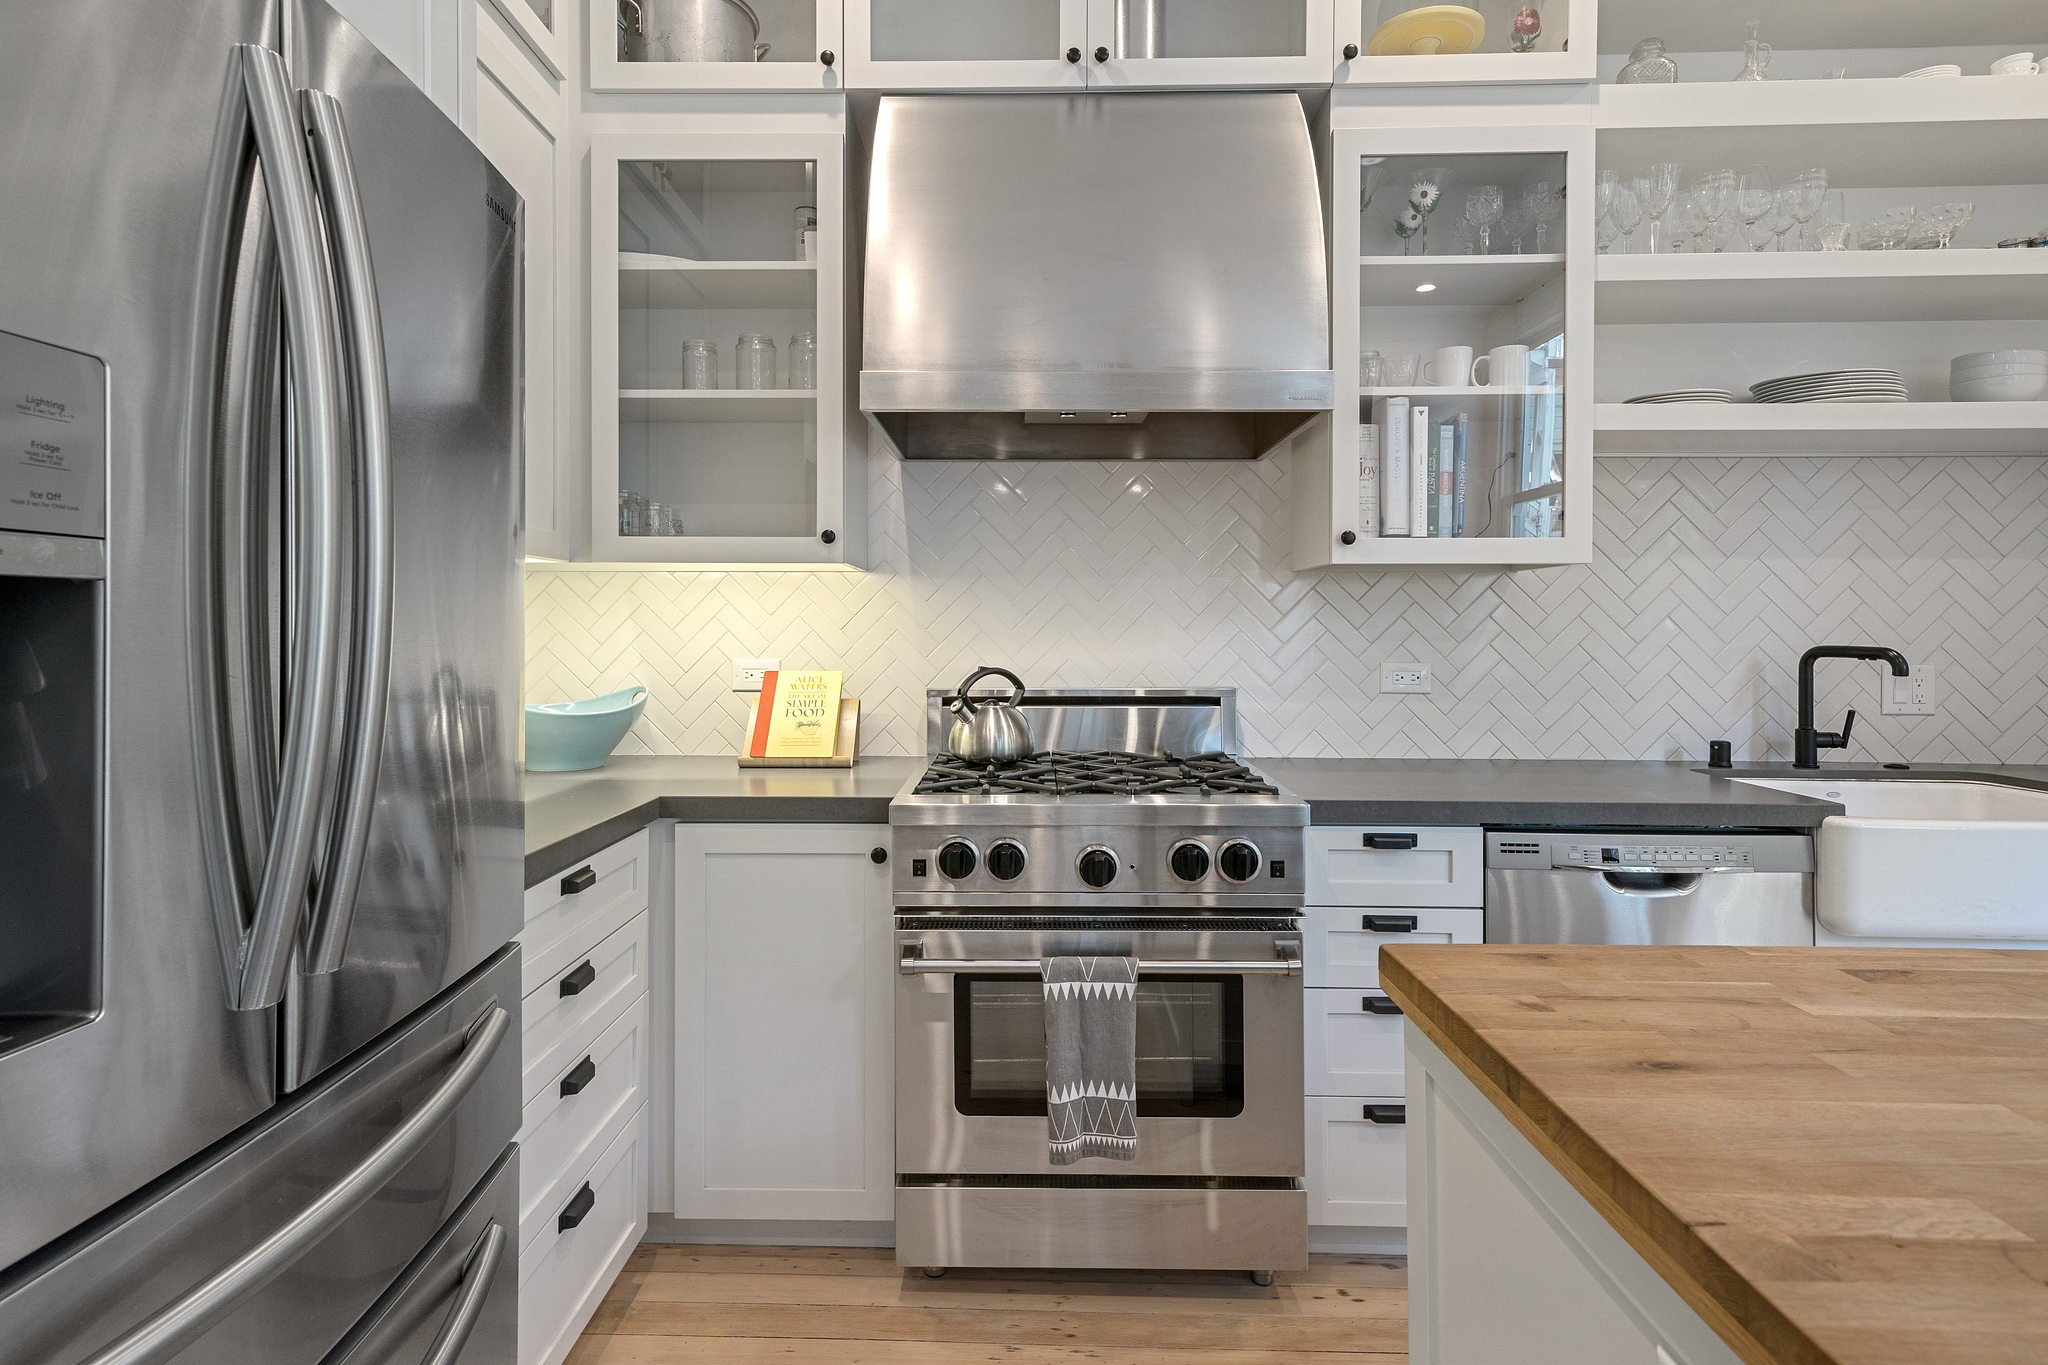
{"x":577,"y":1209}
{"x":477,"y":1275}
{"x":1380,"y":1004}
{"x":579,"y":881}
{"x":578,"y":981}
{"x":582,"y":1074}
{"x":1390,"y":842}
{"x":913,"y":963}
{"x":1390,"y":924}
{"x":1386,"y":1113}
{"x":164,"y":1336}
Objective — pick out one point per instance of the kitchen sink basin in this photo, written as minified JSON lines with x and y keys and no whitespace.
{"x":1929,"y":858}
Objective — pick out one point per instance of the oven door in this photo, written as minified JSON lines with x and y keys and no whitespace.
{"x":1219,"y":1044}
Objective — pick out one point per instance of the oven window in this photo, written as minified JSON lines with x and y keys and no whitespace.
{"x":1190,"y":1046}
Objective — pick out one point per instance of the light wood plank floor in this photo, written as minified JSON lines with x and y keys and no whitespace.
{"x":704,"y":1305}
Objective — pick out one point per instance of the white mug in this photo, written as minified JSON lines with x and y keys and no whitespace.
{"x":1506,"y":366}
{"x":1451,"y":368}
{"x":2018,"y":64}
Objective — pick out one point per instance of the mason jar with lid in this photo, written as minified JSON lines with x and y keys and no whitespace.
{"x":803,"y":361}
{"x":754,"y":362}
{"x":700,"y":364}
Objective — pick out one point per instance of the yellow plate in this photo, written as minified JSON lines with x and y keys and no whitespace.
{"x":1427,"y":31}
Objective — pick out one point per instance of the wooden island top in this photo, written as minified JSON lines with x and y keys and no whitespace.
{"x":1835,"y":1156}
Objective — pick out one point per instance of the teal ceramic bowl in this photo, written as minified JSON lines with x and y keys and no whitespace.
{"x":568,"y":736}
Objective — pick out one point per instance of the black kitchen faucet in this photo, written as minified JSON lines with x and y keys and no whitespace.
{"x":1807,"y":742}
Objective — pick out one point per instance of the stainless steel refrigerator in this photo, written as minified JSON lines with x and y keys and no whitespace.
{"x":260,"y":833}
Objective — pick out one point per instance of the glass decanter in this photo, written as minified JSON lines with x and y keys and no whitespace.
{"x":1647,"y":65}
{"x":1756,"y":54}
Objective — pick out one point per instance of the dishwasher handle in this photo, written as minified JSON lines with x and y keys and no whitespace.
{"x":1649,"y":883}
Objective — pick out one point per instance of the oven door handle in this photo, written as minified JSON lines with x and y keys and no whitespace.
{"x":914,"y":963}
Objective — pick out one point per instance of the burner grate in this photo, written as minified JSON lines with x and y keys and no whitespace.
{"x":1101,"y":773}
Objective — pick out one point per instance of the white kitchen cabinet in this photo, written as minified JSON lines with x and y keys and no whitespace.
{"x":694,"y":242}
{"x":432,"y":41}
{"x":784,"y":981}
{"x":1565,"y":49}
{"x":799,"y":49}
{"x":522,"y":125}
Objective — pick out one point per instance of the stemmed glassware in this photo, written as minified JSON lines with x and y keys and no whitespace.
{"x":1483,"y":208}
{"x":1544,"y":204}
{"x":1813,"y":191}
{"x":1946,"y":220}
{"x":1784,"y":212}
{"x":1691,"y":227}
{"x":1657,"y":187}
{"x":1754,"y":199}
{"x":1628,"y":214}
{"x":1835,"y":227}
{"x":1712,"y":194}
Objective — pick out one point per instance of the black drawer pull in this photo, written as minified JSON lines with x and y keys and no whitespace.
{"x":1380,"y":1004}
{"x":1392,"y":841}
{"x":1374,"y":1113}
{"x":585,"y":1071}
{"x":1390,"y":924}
{"x":578,"y":1208}
{"x":579,"y":881}
{"x":578,"y":981}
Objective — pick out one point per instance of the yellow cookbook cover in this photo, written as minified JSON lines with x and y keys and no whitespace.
{"x":798,"y":715}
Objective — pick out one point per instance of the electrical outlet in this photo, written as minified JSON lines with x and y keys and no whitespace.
{"x":1912,"y":695}
{"x":1404,"y":678}
{"x":749,"y":674}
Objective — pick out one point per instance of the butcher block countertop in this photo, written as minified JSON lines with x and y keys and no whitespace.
{"x":1834,"y":1155}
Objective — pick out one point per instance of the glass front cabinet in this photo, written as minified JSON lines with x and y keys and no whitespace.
{"x":1401,"y":42}
{"x":726,"y":45}
{"x":720,"y":313}
{"x":1462,"y":437}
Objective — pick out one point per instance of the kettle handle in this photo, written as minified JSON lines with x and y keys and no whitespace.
{"x":967,"y":706}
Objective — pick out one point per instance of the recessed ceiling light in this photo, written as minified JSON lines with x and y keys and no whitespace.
{"x":1425,"y":288}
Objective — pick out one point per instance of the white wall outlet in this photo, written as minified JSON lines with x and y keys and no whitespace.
{"x":1912,"y":695}
{"x":748,"y":674}
{"x":1404,"y":678}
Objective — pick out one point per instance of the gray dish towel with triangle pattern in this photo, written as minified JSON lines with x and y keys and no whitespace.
{"x":1091,"y":1057}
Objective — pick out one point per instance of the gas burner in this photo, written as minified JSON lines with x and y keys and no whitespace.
{"x":1097,"y":773}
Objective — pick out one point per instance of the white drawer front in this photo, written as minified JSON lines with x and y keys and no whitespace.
{"x":1442,"y":865}
{"x":560,"y":1027}
{"x":1357,"y":1169}
{"x":1341,"y":944}
{"x":558,"y":1131}
{"x":563,"y":1275}
{"x":561,"y":929}
{"x":1350,"y":1050}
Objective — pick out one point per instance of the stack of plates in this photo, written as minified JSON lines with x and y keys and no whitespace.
{"x":1945,"y":69}
{"x":1833,"y":386}
{"x":1686,"y":396}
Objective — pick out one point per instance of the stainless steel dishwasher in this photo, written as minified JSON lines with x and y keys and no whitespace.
{"x":1606,"y":887}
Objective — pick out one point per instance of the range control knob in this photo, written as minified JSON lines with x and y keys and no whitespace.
{"x":1097,"y":866}
{"x":1189,"y":860}
{"x":957,"y":860}
{"x":1238,"y":860}
{"x":1006,"y":860}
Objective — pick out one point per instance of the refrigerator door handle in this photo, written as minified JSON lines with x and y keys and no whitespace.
{"x":362,"y":730}
{"x":164,"y":1336}
{"x":476,"y":1287}
{"x":259,"y":931}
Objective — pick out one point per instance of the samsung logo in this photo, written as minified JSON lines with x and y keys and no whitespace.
{"x":501,"y":213}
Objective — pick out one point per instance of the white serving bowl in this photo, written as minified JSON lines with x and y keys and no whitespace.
{"x":1995,"y":372}
{"x":1964,"y":362}
{"x":2015,"y":388}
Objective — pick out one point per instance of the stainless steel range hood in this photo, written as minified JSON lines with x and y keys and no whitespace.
{"x":1094,"y":277}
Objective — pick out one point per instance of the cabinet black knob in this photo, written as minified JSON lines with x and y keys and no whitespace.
{"x":1350,"y":51}
{"x":579,"y":881}
{"x":1349,"y":537}
{"x":577,"y":1209}
{"x":1386,"y":1113}
{"x":580,"y":1075}
{"x":1389,"y":924}
{"x":1101,"y":54}
{"x":828,"y":536}
{"x":878,"y":855}
{"x":1384,"y":842}
{"x":1074,"y":54}
{"x":578,"y":981}
{"x":828,"y":57}
{"x":1379,"y":1004}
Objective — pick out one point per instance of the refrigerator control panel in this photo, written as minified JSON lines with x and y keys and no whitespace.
{"x":53,"y":439}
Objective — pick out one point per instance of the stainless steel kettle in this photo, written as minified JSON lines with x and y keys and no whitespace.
{"x":991,"y":730}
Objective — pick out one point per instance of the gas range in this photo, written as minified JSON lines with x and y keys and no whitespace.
{"x":1137,"y":802}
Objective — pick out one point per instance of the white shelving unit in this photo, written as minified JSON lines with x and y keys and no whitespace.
{"x":1454,"y":281}
{"x":1822,"y":429}
{"x":1831,"y":286}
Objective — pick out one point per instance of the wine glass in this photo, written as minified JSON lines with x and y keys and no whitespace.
{"x":1946,"y":220}
{"x":1691,"y":226}
{"x":1544,"y":204}
{"x":1658,"y":186}
{"x":1784,"y":214}
{"x":1754,"y":198}
{"x":1628,"y":215}
{"x":1712,"y":194}
{"x":1813,"y":191}
{"x":1835,"y":227}
{"x":1604,"y":186}
{"x":1483,"y":208}
{"x":1885,"y":231}
{"x":1605,"y":234}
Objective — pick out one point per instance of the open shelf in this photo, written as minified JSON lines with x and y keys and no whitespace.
{"x":666,"y":282}
{"x":1426,"y":392}
{"x":1461,"y":281}
{"x":1825,"y":25}
{"x":718,"y":405}
{"x":1824,"y":286}
{"x":1688,"y":109}
{"x":1820,"y":428}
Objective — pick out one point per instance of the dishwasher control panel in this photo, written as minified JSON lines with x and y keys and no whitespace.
{"x":1651,"y":857}
{"x":1646,"y":850}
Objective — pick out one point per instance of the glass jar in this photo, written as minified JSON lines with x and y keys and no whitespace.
{"x":803,"y":361}
{"x":1647,"y":65}
{"x":753,"y":362}
{"x":700,"y":364}
{"x":806,"y":232}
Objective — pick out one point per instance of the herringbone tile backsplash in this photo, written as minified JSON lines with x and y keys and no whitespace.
{"x":1710,"y":577}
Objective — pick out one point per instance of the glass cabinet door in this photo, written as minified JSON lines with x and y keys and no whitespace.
{"x":967,"y":44}
{"x":727,"y":380}
{"x":1208,"y":42}
{"x":715,"y":44}
{"x":1408,"y":42}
